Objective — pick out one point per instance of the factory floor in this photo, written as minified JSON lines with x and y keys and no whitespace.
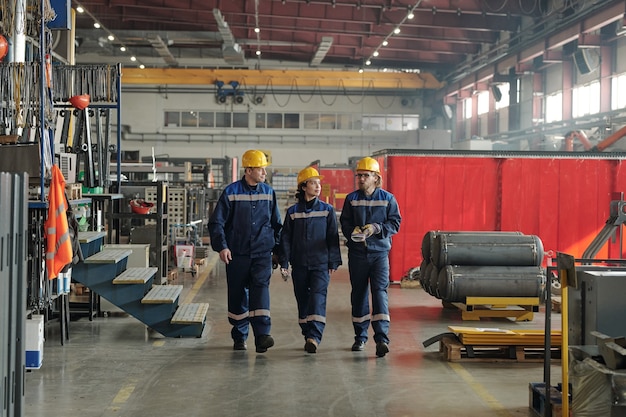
{"x":114,"y":366}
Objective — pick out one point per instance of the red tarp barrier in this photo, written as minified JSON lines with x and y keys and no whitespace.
{"x":565,"y":200}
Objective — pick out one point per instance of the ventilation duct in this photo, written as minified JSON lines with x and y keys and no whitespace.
{"x":231,"y":50}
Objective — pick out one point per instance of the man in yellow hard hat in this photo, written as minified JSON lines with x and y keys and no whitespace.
{"x":245,"y":229}
{"x":370,"y":216}
{"x":310,"y":242}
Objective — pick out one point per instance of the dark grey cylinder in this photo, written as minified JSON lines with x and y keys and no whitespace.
{"x":431,"y":244}
{"x":426,"y":277}
{"x":463,"y":281}
{"x":433,"y":283}
{"x":501,"y":249}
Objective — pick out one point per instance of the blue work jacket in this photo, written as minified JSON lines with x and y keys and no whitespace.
{"x":246,"y":220}
{"x":310,"y":237}
{"x":380,"y":208}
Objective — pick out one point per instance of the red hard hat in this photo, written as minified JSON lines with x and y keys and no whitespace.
{"x":80,"y":102}
{"x":4,"y":47}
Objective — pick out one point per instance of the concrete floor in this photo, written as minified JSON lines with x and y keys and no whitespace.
{"x":113,"y":366}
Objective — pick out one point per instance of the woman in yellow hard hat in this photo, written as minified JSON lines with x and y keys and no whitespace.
{"x":310,"y":242}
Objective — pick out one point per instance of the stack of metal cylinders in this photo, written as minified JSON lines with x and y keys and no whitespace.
{"x":459,"y":264}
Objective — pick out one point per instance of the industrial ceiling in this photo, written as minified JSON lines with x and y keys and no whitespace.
{"x":447,"y":38}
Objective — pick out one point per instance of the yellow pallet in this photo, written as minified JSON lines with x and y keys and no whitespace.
{"x":519,"y":308}
{"x":484,"y":336}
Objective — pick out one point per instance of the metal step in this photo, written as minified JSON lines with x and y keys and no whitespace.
{"x":162,"y":294}
{"x":109,"y":256}
{"x":135,"y":275}
{"x":191,"y":313}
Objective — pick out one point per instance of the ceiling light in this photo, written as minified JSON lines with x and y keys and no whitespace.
{"x":142,"y":66}
{"x":111,"y":38}
{"x":257,"y":30}
{"x":410,"y":15}
{"x":360,"y":70}
{"x":123,"y":48}
{"x":258,"y":53}
{"x":368,"y":62}
{"x":458,"y":12}
{"x":434,"y":10}
{"x":385,"y":42}
{"x":396,"y":30}
{"x":96,"y":25}
{"x":80,"y":9}
{"x":133,"y":58}
{"x":375,"y":53}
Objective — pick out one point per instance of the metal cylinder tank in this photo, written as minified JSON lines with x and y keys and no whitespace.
{"x":501,"y":249}
{"x":463,"y":281}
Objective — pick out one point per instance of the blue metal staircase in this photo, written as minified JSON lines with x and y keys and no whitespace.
{"x":132,"y":289}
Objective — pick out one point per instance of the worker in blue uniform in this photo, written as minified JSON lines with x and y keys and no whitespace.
{"x":245,"y":229}
{"x":310,"y":242}
{"x":370,"y":216}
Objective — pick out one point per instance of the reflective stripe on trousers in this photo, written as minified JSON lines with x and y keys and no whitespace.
{"x":310,"y":288}
{"x":248,"y":295}
{"x":369,"y":272}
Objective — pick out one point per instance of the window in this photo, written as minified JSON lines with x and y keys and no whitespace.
{"x":344,"y":121}
{"x":292,"y":121}
{"x":311,"y":121}
{"x":554,"y":107}
{"x":259,"y":121}
{"x":274,"y":120}
{"x":189,"y":119}
{"x":618,"y":86}
{"x":222,"y":119}
{"x":586,"y":99}
{"x":240,"y":120}
{"x":205,"y":119}
{"x":314,"y":121}
{"x":172,"y":119}
{"x":467,"y":108}
{"x":328,"y":121}
{"x":483,"y":102}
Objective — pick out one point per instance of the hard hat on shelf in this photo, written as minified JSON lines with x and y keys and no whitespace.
{"x":80,"y":102}
{"x":4,"y":47}
{"x":140,"y":206}
{"x":308,"y":173}
{"x":254,"y":159}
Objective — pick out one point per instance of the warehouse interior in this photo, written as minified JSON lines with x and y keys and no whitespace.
{"x":498,"y":126}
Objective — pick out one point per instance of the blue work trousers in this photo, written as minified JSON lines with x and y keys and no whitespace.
{"x":369,"y":270}
{"x":310,"y":287}
{"x":248,"y":282}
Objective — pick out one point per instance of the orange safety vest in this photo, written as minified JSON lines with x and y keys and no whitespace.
{"x":58,"y":244}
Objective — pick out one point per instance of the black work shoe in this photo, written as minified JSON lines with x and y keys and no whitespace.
{"x":240,"y":345}
{"x":310,"y":346}
{"x":382,"y":349}
{"x":263,"y":343}
{"x":358,"y":346}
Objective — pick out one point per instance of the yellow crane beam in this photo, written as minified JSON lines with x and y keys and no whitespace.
{"x":281,"y":78}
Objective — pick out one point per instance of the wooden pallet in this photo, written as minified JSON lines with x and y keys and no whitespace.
{"x":519,"y":308}
{"x":454,"y":351}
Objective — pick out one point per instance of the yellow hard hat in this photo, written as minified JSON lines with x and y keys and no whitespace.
{"x":254,"y":159}
{"x":368,"y":164}
{"x":308,"y":173}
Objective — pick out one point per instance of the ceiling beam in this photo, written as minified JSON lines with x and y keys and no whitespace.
{"x":281,"y":78}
